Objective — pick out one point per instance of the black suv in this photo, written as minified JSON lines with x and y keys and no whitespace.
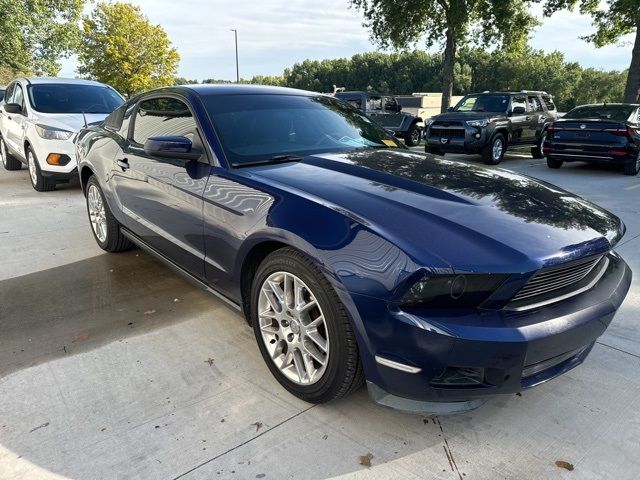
{"x":387,"y":112}
{"x":488,"y":123}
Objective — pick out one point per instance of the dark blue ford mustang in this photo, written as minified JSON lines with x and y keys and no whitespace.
{"x":438,"y":282}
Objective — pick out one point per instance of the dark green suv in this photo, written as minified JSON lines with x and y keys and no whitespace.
{"x":490,"y":122}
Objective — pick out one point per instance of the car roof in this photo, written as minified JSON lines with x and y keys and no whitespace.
{"x":635,"y":105}
{"x":59,"y":80}
{"x":242,"y":89}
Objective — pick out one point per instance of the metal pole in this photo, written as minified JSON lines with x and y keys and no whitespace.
{"x":237,"y":67}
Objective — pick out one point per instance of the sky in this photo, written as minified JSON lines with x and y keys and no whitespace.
{"x":275,"y":34}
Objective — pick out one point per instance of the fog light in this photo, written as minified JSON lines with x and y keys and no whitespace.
{"x":58,"y":159}
{"x":477,"y":135}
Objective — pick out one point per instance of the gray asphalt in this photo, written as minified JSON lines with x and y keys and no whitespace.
{"x":113,"y":367}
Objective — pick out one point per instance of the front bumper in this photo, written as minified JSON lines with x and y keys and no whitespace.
{"x":43,"y":148}
{"x":457,"y":138}
{"x":509,"y":350}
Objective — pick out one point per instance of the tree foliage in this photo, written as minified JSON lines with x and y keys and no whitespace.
{"x":476,"y":70}
{"x":36,"y":34}
{"x":612,"y":19}
{"x":122,"y":48}
{"x":451,"y":23}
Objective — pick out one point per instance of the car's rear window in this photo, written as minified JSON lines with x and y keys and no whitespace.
{"x":618,"y":113}
{"x":73,"y":98}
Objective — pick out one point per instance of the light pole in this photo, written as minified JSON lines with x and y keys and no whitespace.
{"x":237,"y":68}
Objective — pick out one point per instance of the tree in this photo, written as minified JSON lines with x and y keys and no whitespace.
{"x":34,"y":35}
{"x":620,"y":17}
{"x":122,"y":48}
{"x":402,"y":23}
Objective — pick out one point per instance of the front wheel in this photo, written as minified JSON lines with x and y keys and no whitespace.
{"x":413,"y":136}
{"x":493,"y":153}
{"x":554,"y":163}
{"x":302,"y":329}
{"x":38,"y":181}
{"x":105,"y":227}
{"x":633,"y":168}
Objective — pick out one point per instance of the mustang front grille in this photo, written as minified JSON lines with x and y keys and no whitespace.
{"x":549,"y":280}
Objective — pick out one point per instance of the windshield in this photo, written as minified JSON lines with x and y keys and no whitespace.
{"x":483,"y":103}
{"x":258,"y":127}
{"x":73,"y":98}
{"x":619,"y":113}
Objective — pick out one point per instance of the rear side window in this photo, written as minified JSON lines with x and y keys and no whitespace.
{"x":548,"y":101}
{"x":536,"y":106}
{"x":163,"y":116}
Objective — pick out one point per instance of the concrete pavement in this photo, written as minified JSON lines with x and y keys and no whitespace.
{"x":113,"y":367}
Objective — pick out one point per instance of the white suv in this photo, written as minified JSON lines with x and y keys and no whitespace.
{"x":39,"y":120}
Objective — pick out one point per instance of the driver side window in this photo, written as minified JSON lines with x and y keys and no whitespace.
{"x":162,"y":116}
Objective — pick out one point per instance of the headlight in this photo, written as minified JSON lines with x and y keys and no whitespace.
{"x":53,"y":133}
{"x":478,"y":123}
{"x":452,"y":291}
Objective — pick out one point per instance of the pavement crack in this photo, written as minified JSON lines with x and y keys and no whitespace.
{"x":619,"y":349}
{"x":244,"y":443}
{"x":448,"y":452}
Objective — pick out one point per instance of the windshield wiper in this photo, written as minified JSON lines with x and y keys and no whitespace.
{"x":269,"y":161}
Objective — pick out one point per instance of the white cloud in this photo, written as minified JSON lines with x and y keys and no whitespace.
{"x":274,"y":34}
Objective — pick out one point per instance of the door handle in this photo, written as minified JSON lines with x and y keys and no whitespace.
{"x":123,"y":164}
{"x":9,"y":117}
{"x":527,"y":118}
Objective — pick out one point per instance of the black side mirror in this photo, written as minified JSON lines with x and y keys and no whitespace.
{"x":173,"y":147}
{"x":518,"y":111}
{"x":13,"y":108}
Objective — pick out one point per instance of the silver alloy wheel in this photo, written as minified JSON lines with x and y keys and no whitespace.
{"x":3,"y":153}
{"x":33,"y":172}
{"x":638,"y":163}
{"x":293,"y":328}
{"x":97,"y":213}
{"x":542,"y":140}
{"x":497,"y":148}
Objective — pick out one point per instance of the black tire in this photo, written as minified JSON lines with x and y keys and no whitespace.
{"x":343,"y":373}
{"x":633,"y":168}
{"x":554,"y":163}
{"x":537,"y":151}
{"x":38,"y":182}
{"x":488,"y":155}
{"x":434,"y":151}
{"x":8,"y":162}
{"x":115,"y":241}
{"x":413,"y":136}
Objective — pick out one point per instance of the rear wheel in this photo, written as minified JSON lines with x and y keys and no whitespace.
{"x":633,"y":168}
{"x":537,"y":151}
{"x":302,"y":329}
{"x":493,"y":153}
{"x":413,"y":136}
{"x":38,"y":182}
{"x":8,"y":162}
{"x":554,"y":163}
{"x":105,"y":227}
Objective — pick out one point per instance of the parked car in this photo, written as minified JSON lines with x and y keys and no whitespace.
{"x":40,"y":119}
{"x":491,"y":122}
{"x":603,"y":133}
{"x":386,"y":112}
{"x":352,"y":258}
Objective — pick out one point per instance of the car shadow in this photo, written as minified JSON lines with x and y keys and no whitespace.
{"x":82,"y":305}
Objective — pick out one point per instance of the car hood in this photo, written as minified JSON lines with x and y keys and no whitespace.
{"x":465,"y":116}
{"x":469,"y":217}
{"x":69,"y":121}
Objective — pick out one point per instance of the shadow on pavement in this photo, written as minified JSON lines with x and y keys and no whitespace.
{"x":86,"y":304}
